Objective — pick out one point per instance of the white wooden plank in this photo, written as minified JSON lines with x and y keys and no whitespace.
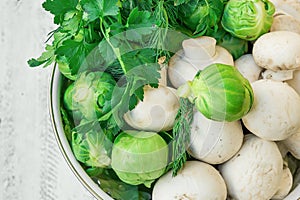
{"x":31,"y":165}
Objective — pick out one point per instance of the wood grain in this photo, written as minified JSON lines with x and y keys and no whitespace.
{"x":31,"y":165}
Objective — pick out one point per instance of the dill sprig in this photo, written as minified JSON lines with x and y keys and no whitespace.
{"x":181,"y":134}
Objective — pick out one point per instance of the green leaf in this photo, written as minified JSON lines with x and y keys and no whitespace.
{"x":202,"y":16}
{"x":99,"y":8}
{"x":66,"y":123}
{"x":138,"y":58}
{"x":179,"y":2}
{"x":117,"y":189}
{"x":140,"y":24}
{"x":140,"y":19}
{"x":71,"y":23}
{"x":59,"y":8}
{"x":47,"y":58}
{"x":76,"y":53}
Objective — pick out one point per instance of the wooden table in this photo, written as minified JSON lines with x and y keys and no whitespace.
{"x":31,"y":165}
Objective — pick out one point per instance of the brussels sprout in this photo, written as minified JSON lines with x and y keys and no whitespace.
{"x":90,"y":95}
{"x":139,"y":157}
{"x":248,"y":19}
{"x":91,"y":148}
{"x":221,"y":93}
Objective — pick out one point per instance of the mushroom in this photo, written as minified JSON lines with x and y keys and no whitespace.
{"x":285,"y":186}
{"x":196,"y":55}
{"x":275,"y":113}
{"x":287,"y":7}
{"x":279,"y":50}
{"x":287,"y":16}
{"x":197,"y":180}
{"x":295,"y":81}
{"x":292,"y":144}
{"x":255,"y":171}
{"x":158,"y":110}
{"x":281,"y":75}
{"x":285,"y":23}
{"x":212,"y":141}
{"x":248,"y":68}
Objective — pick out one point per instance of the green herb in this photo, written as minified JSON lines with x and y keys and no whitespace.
{"x":181,"y":134}
{"x":124,"y":39}
{"x":109,"y":182}
{"x":202,"y":16}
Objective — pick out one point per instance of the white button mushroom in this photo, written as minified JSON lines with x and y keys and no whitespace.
{"x":292,"y":144}
{"x":214,"y":142}
{"x":287,"y":16}
{"x":158,"y":110}
{"x":286,"y":184}
{"x":280,"y":75}
{"x":197,"y":180}
{"x":196,"y":55}
{"x":255,"y":172}
{"x":285,"y":23}
{"x":275,"y":113}
{"x":287,"y":7}
{"x":295,"y":82}
{"x":279,"y":50}
{"x":248,"y":68}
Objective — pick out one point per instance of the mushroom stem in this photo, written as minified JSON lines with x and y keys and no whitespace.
{"x":163,"y":74}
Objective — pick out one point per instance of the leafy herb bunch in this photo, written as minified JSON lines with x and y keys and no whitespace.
{"x":124,"y":38}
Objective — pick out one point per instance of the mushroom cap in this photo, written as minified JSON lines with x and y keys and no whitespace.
{"x":285,"y":23}
{"x":287,"y":7}
{"x":197,"y":180}
{"x":292,"y":144}
{"x":279,"y":50}
{"x":275,"y":113}
{"x":286,"y":184}
{"x":295,"y":81}
{"x":255,"y":171}
{"x":212,"y":141}
{"x":248,"y":68}
{"x":154,"y":113}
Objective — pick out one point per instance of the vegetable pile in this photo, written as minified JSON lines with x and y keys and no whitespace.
{"x":180,"y":99}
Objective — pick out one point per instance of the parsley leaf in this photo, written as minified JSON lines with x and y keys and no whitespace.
{"x":59,"y":8}
{"x":71,"y":23}
{"x":76,"y":53}
{"x":201,"y":17}
{"x":140,"y":24}
{"x":179,"y":2}
{"x":138,"y":19}
{"x":99,"y":8}
{"x":46,"y":58}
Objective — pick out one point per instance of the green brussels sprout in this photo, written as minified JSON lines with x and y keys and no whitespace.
{"x":248,"y":19}
{"x":221,"y":93}
{"x":90,"y":95}
{"x":139,"y":157}
{"x":91,"y":148}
